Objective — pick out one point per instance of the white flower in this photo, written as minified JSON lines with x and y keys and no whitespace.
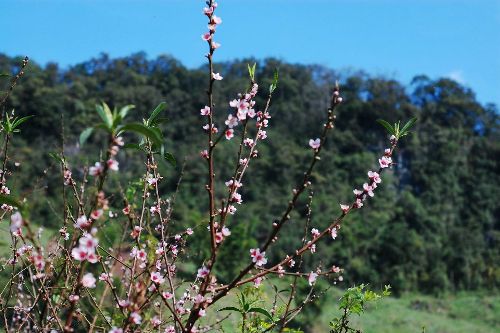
{"x":88,"y":280}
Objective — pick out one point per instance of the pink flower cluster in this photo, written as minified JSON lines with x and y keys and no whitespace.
{"x":86,"y":249}
{"x":244,"y":109}
{"x":214,"y":21}
{"x":259,"y":258}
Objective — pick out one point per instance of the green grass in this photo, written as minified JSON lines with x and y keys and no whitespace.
{"x":469,"y":312}
{"x":460,"y":313}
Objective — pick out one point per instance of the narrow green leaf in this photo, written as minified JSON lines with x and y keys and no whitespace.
{"x":105,"y":114}
{"x":274,"y":85}
{"x":143,"y":130}
{"x":408,"y":125}
{"x":230,"y":308}
{"x":124,"y":110}
{"x":160,"y":108}
{"x":261,"y":311}
{"x":19,"y":121}
{"x":56,"y":157}
{"x":85,"y":135}
{"x":387,"y":126}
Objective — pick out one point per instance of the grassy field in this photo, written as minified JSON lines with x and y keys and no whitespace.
{"x":459,"y":313}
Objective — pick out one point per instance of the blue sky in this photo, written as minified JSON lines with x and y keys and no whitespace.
{"x":396,"y":38}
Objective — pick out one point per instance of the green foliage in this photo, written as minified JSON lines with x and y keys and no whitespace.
{"x":354,"y":301}
{"x":10,"y":124}
{"x":432,"y":226}
{"x":396,"y":130}
{"x":248,"y":306}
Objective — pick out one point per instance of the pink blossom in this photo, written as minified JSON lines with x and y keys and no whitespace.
{"x":345,"y":208}
{"x":157,"y":278}
{"x":73,"y":298}
{"x":248,"y":142}
{"x":215,"y":45}
{"x":206,"y":36}
{"x":357,"y":192}
{"x":167,"y":295}
{"x":123,"y":303}
{"x":155,"y":321}
{"x":16,"y":222}
{"x":229,"y":134}
{"x":112,"y":165}
{"x":375,"y":177}
{"x":315,"y":232}
{"x":170,"y":329}
{"x":231,"y":121}
{"x":96,"y":170}
{"x":335,"y":269}
{"x":315,"y":144}
{"x":257,"y":257}
{"x":198,"y":299}
{"x":205,"y":111}
{"x":154,"y":209}
{"x":189,"y":231}
{"x":358,"y":203}
{"x":203,"y":272}
{"x":385,"y":162}
{"x":208,"y":11}
{"x":79,"y":253}
{"x":88,"y":280}
{"x":234,"y":103}
{"x":262,"y":134}
{"x":152,"y":180}
{"x":368,"y":189}
{"x":204,"y":154}
{"x":96,"y":214}
{"x":216,"y":76}
{"x":105,"y":277}
{"x":88,"y":242}
{"x":333,"y":233}
{"x":115,"y":330}
{"x":257,"y":282}
{"x":216,"y":19}
{"x":202,"y":312}
{"x":312,"y":278}
{"x":236,"y":197}
{"x":226,"y":232}
{"x":135,"y":318}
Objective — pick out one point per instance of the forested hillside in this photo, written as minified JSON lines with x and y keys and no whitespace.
{"x":434,"y":226}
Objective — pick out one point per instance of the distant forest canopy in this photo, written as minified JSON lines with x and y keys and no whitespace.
{"x":434,"y":225}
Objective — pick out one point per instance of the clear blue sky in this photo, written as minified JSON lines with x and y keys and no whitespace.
{"x":397,"y":38}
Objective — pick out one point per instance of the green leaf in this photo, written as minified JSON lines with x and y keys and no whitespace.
{"x":105,"y":114}
{"x":408,"y":125}
{"x":143,"y":130}
{"x":56,"y":157}
{"x":261,"y":311}
{"x":387,"y":126}
{"x":230,"y":308}
{"x":19,"y":121}
{"x":251,"y":71}
{"x":274,"y":85}
{"x":85,"y":135}
{"x":124,"y":110}
{"x":160,"y":108}
{"x":170,"y":159}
